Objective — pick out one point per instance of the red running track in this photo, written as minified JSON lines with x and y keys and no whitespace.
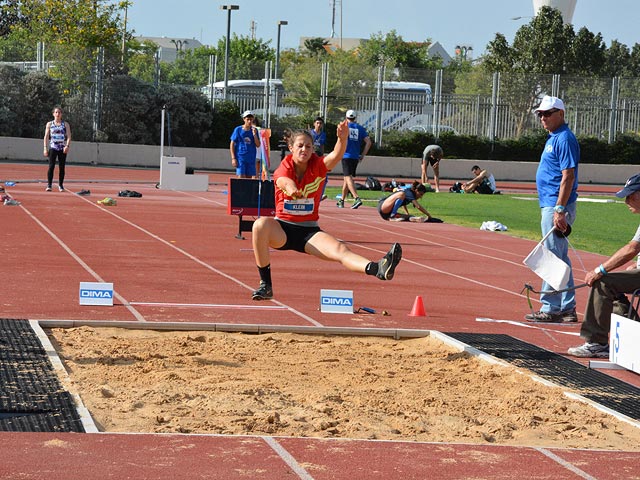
{"x":172,"y":257}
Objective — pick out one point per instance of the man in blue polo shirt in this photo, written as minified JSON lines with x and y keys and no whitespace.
{"x":557,"y":183}
{"x":245,"y":140}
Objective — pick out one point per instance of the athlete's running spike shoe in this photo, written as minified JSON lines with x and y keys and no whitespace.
{"x":387,"y":265}
{"x":264,"y":292}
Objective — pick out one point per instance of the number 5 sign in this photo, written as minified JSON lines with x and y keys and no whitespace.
{"x":624,"y":339}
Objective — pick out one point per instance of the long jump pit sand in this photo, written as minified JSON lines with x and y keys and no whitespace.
{"x":288,"y":384}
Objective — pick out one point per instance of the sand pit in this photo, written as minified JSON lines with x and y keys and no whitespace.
{"x":315,"y":386}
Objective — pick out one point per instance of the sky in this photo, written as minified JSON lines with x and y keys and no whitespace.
{"x":471,"y":23}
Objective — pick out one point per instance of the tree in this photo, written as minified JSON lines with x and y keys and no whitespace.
{"x":41,"y":93}
{"x":11,"y":16}
{"x":141,"y":60}
{"x":130,"y":113}
{"x":348,"y":74}
{"x":247,"y":56}
{"x":394,"y":52}
{"x":541,"y":48}
{"x":12,"y":102}
{"x":72,"y":33}
{"x":617,"y":59}
{"x":315,"y":47}
{"x":191,"y":67}
{"x":634,"y":61}
{"x":587,"y":54}
{"x":190,"y":113}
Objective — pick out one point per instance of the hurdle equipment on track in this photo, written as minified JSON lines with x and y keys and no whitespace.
{"x":252,"y":197}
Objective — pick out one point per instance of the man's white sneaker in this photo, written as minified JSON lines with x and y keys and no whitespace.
{"x":590,"y":350}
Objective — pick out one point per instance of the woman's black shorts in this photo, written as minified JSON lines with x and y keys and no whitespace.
{"x":385,"y":216}
{"x":297,"y":235}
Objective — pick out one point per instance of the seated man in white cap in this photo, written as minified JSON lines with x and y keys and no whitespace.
{"x":606,"y":286}
{"x":245,"y":140}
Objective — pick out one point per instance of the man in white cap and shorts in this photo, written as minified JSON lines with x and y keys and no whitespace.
{"x":557,"y":184}
{"x":357,"y":136}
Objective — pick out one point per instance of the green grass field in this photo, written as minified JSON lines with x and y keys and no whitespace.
{"x":599,"y":228}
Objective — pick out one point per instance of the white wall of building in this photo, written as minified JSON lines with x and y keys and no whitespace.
{"x":111,"y":154}
{"x":566,"y":7}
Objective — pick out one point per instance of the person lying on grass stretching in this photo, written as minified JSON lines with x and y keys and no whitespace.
{"x":410,"y":194}
{"x":298,"y":181}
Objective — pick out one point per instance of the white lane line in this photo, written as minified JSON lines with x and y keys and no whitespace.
{"x":197,"y":260}
{"x":210,"y":305}
{"x":565,"y":464}
{"x":422,"y":239}
{"x":444,"y":245}
{"x":288,"y":458}
{"x":526,"y":325}
{"x":445,"y":272}
{"x":91,"y":272}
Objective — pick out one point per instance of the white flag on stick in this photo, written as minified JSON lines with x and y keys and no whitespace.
{"x":548,"y":266}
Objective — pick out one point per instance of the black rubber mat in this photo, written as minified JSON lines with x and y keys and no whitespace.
{"x":32,"y":398}
{"x":591,"y":384}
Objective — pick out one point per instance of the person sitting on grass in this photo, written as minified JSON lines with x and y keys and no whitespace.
{"x":298,"y":181}
{"x":409,"y":194}
{"x":483,"y":182}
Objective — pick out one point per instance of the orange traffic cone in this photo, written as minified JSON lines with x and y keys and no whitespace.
{"x":418,"y":308}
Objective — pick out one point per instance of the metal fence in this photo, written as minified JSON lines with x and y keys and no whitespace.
{"x":602,"y":108}
{"x":388,"y":100}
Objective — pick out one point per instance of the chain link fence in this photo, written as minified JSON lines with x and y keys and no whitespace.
{"x":427,"y":101}
{"x":419,"y":100}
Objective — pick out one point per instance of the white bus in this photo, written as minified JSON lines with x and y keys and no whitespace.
{"x":243,"y":87}
{"x":408,"y":87}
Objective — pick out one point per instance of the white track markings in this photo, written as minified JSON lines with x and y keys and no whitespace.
{"x":91,"y":272}
{"x":448,"y":273}
{"x":565,"y":464}
{"x":422,"y":239}
{"x":528,"y":325}
{"x":197,"y":260}
{"x":288,"y":458}
{"x":210,"y":305}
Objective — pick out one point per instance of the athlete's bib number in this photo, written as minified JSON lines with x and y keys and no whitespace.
{"x":301,"y":206}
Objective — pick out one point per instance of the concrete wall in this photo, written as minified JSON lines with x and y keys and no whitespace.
{"x":111,"y":154}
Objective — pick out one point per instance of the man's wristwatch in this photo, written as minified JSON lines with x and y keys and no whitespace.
{"x":559,"y":209}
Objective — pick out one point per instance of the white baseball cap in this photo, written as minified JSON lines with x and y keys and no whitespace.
{"x":248,"y":113}
{"x":351,"y":114}
{"x":549,"y":103}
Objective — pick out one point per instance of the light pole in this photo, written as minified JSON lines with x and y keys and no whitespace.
{"x":280,"y":23}
{"x":124,"y":31}
{"x":463,"y":50}
{"x":228,"y":8}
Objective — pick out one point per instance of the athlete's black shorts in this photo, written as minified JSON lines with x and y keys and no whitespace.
{"x":430,"y":160}
{"x":385,"y":216}
{"x":297,"y":235}
{"x":349,"y":166}
{"x":484,"y":188}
